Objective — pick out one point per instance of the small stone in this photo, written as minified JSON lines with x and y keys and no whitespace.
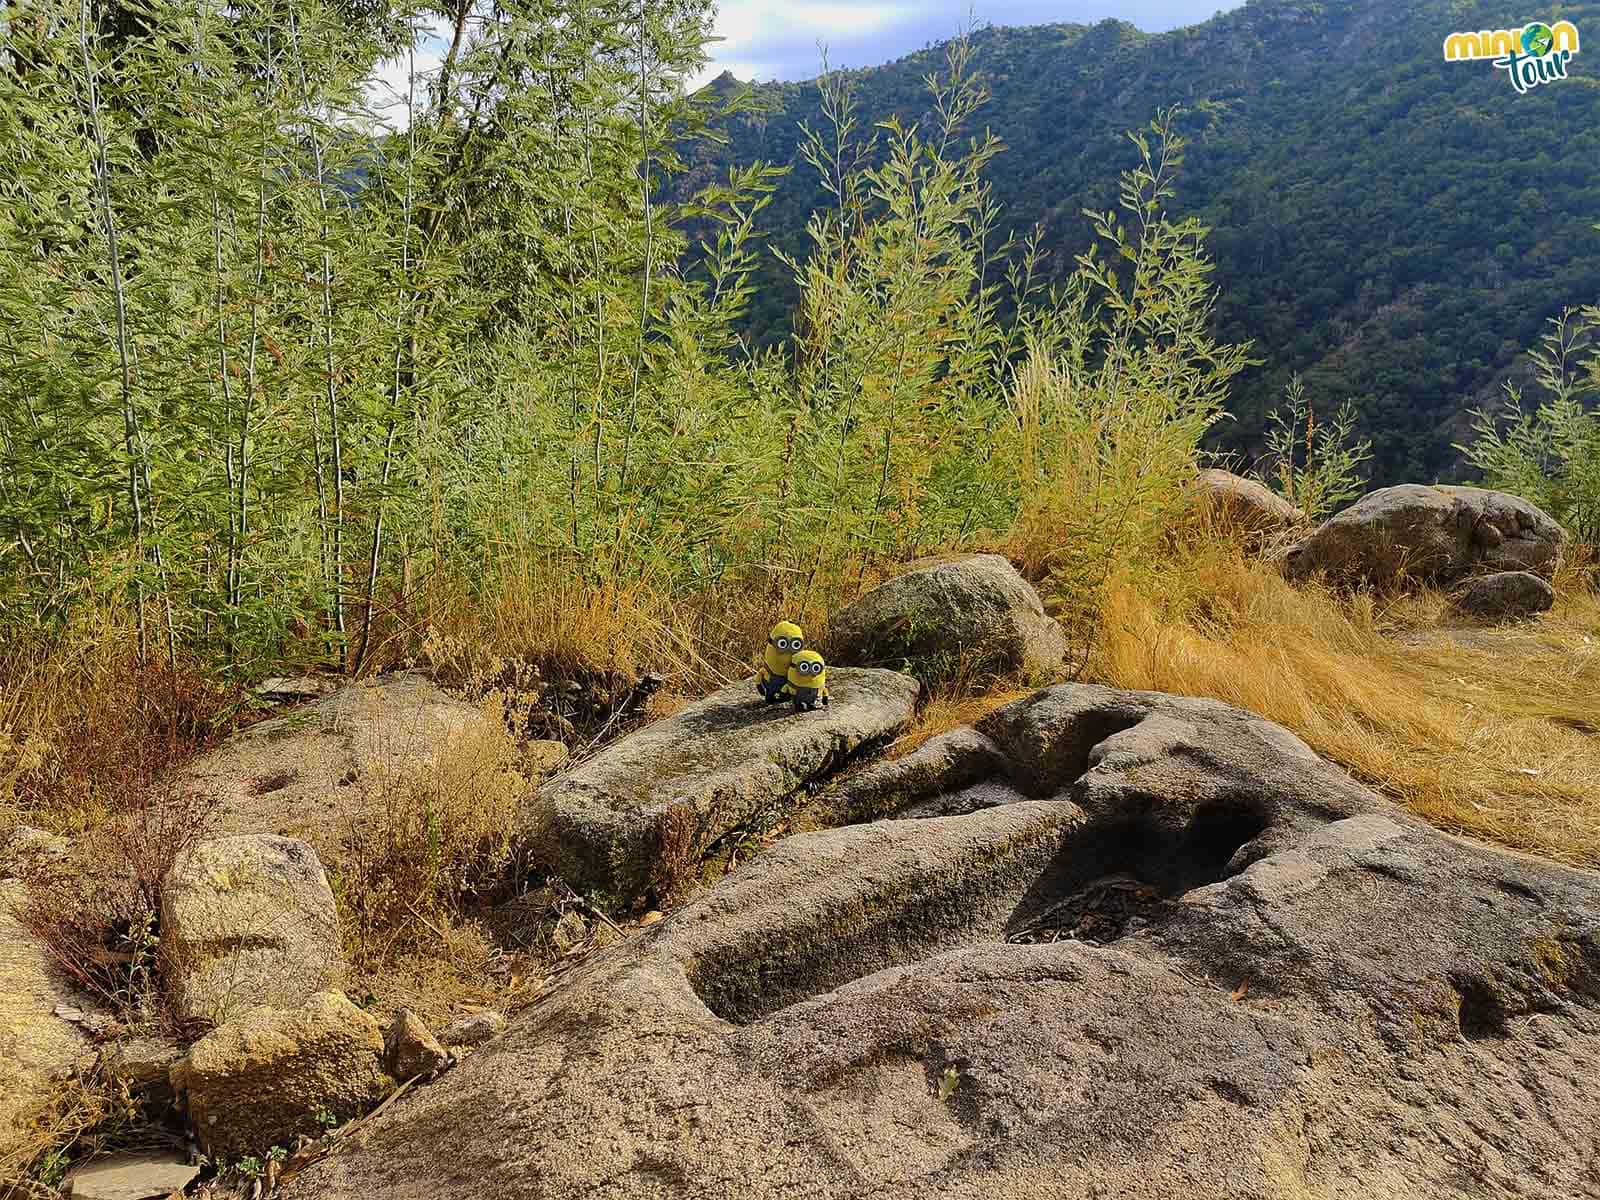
{"x":141,"y":1062}
{"x":410,"y":1049}
{"x":305,"y":687}
{"x":475,"y":1029}
{"x":1506,"y":596}
{"x":650,"y":918}
{"x":569,"y":932}
{"x":130,"y":1177}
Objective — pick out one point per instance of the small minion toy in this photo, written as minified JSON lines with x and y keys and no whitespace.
{"x":808,"y":681}
{"x":785,"y":641}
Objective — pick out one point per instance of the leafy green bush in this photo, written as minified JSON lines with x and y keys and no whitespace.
{"x":278,"y":380}
{"x":1109,"y":409}
{"x":1319,"y":468}
{"x":1550,"y":453}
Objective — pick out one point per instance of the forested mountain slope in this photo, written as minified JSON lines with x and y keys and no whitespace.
{"x":1395,"y":227}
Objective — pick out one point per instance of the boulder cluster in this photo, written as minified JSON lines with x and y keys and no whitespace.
{"x":1099,"y":943}
{"x":1095,"y":943}
{"x":251,"y":949}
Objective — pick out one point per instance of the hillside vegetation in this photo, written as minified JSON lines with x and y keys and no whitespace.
{"x":284,"y":396}
{"x":1394,"y":227}
{"x":282,"y":393}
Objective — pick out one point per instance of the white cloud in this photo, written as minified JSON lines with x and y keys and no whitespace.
{"x":387,"y":88}
{"x":749,"y":27}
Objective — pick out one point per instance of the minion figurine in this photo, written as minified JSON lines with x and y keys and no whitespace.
{"x":785,"y":641}
{"x":808,"y":681}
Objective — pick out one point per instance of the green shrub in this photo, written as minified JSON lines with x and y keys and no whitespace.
{"x":1550,"y":453}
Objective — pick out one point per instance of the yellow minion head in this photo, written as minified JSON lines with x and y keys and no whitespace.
{"x":807,"y":670}
{"x":785,"y":641}
{"x":787,"y":637}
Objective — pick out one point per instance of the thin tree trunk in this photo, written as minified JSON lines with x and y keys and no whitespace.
{"x":138,"y":471}
{"x":335,"y":445}
{"x":649,"y":263}
{"x":447,"y":68}
{"x":401,"y":320}
{"x":250,"y":380}
{"x":234,"y":534}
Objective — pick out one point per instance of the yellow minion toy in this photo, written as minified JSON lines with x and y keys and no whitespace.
{"x":785,"y":641}
{"x":807,"y":682}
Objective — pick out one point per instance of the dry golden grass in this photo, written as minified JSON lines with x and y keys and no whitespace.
{"x":91,"y":1115}
{"x":434,"y":835}
{"x":1492,"y":732}
{"x":571,"y":628}
{"x":947,"y":710}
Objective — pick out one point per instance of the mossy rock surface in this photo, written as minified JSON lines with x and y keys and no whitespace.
{"x":653,"y":801}
{"x":1161,"y":949}
{"x":975,"y":616}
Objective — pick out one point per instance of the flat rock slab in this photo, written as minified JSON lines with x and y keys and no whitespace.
{"x":663,"y":794}
{"x":309,"y":773}
{"x":131,"y":1177}
{"x":1178,"y":955}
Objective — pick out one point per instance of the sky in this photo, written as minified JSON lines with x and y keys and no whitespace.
{"x":782,"y":39}
{"x":778,"y":39}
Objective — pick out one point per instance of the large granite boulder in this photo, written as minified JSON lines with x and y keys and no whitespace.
{"x":1429,"y":535}
{"x":38,"y":1050}
{"x":1243,"y":505}
{"x":646,"y":805}
{"x":1504,"y":596}
{"x":310,"y":773}
{"x":1164,"y":950}
{"x":245,"y":921}
{"x":276,"y":1073}
{"x":975,"y":614}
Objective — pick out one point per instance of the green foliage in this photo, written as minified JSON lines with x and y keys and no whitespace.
{"x":279,"y":377}
{"x":1110,"y":407}
{"x":899,"y":351}
{"x":270,"y":369}
{"x":1358,"y":187}
{"x":1319,"y":468}
{"x":1550,"y":453}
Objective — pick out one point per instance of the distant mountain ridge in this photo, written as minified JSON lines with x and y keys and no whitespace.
{"x":1395,"y":227}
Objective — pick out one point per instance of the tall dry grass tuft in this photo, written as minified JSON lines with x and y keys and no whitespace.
{"x":431,"y":836}
{"x":90,"y":1116}
{"x":88,"y":737}
{"x":87,"y":728}
{"x":1492,"y":732}
{"x":611,"y":632}
{"x":949,"y":710}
